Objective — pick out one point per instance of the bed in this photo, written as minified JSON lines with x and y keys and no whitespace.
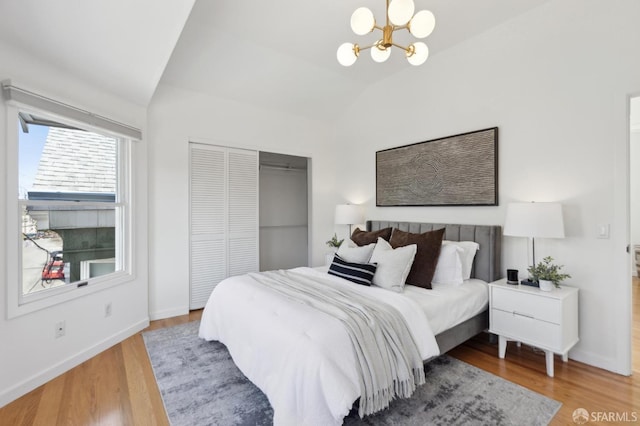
{"x":486,"y":267}
{"x":302,"y":358}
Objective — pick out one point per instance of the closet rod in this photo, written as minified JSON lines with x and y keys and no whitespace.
{"x":285,"y":168}
{"x":303,"y":225}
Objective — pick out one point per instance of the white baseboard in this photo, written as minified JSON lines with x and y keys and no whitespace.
{"x":608,"y":364}
{"x":168,"y":313}
{"x":26,"y":386}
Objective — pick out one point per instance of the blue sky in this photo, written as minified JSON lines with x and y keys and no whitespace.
{"x":29,"y":153}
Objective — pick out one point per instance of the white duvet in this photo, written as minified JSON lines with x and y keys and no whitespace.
{"x":302,"y":359}
{"x":448,"y":305}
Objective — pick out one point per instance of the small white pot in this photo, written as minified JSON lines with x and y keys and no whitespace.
{"x":546,"y":285}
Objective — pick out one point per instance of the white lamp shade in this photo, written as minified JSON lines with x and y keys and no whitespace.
{"x":380,"y":55}
{"x":401,"y":11}
{"x":362,"y":21}
{"x":422,"y":24}
{"x":346,"y":54}
{"x":420,"y":54}
{"x":535,"y":220}
{"x":348,"y":214}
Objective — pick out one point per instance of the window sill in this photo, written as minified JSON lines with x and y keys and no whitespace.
{"x":63,"y":294}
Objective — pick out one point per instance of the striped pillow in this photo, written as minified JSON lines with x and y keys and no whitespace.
{"x":359,"y":273}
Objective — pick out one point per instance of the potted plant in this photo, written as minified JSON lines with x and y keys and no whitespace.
{"x":547,"y":274}
{"x":334,"y":243}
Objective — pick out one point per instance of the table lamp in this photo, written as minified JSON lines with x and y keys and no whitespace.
{"x":348,"y":214}
{"x":534,"y":220}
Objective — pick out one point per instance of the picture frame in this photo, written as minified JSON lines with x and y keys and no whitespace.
{"x":458,"y":170}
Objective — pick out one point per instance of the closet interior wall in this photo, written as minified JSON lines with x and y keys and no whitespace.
{"x":283,"y":207}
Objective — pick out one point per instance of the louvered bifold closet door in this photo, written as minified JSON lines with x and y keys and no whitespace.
{"x":224,"y":217}
{"x":208,"y":190}
{"x":243,"y":212}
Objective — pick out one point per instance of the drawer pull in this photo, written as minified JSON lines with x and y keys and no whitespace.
{"x":523,"y":315}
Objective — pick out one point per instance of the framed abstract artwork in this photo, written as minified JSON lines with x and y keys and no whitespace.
{"x":460,"y":170}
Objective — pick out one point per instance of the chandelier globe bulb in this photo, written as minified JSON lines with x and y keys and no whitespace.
{"x":418,"y":53}
{"x":347,"y":54}
{"x":362,"y":21}
{"x":380,"y":53}
{"x":422,"y":24}
{"x":400,"y":11}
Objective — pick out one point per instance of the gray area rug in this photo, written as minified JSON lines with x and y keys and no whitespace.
{"x":200,"y":385}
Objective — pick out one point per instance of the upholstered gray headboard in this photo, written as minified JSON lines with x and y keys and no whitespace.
{"x":486,"y":265}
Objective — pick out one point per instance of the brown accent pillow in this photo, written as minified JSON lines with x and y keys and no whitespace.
{"x":426,"y":260}
{"x":363,"y":238}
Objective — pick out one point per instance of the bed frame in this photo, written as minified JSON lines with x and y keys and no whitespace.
{"x":486,"y":266}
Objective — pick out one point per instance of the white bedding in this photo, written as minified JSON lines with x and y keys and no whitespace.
{"x":300,"y":358}
{"x":448,"y":305}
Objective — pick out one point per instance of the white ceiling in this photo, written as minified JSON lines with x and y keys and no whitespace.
{"x":278,"y":54}
{"x":121,"y":46}
{"x":282,"y":53}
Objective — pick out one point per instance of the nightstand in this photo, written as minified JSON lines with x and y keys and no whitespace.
{"x":544,"y":319}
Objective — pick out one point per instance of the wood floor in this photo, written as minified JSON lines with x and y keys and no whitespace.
{"x":117,"y":387}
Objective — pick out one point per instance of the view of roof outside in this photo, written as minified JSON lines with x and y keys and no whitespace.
{"x":68,"y":160}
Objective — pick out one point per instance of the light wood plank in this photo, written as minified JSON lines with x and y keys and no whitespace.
{"x":143,"y":390}
{"x":51,"y":401}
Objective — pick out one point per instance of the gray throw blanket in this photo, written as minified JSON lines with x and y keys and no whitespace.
{"x":388,"y":357}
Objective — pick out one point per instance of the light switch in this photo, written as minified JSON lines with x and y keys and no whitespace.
{"x":603,"y":231}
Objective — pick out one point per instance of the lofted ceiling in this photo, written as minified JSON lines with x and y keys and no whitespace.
{"x":278,"y":54}
{"x":281,"y":54}
{"x":120,"y":46}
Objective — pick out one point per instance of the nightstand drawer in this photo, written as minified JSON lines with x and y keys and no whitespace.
{"x":528,"y":304}
{"x":526,"y":329}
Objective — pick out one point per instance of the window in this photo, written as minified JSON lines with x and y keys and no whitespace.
{"x":71,"y":226}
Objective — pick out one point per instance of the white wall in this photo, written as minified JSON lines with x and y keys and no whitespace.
{"x":634,"y":151}
{"x":283,"y":219}
{"x":556,"y":82}
{"x":177,"y":116}
{"x":29,"y":354}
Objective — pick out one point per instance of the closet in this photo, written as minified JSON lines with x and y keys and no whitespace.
{"x":248,"y":212}
{"x":223,"y":217}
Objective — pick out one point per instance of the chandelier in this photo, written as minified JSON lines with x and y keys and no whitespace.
{"x":399,"y":17}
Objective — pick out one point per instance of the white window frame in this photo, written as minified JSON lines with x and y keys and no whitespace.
{"x":19,"y":304}
{"x":85,"y":266}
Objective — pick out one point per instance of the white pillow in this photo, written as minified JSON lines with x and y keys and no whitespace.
{"x":470,"y":248}
{"x":393,"y":264}
{"x":350,"y":252}
{"x":449,"y":267}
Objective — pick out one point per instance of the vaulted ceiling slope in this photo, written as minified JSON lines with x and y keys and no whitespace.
{"x":281,"y":54}
{"x":278,"y":54}
{"x":120,"y":46}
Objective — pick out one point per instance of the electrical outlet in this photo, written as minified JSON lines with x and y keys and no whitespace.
{"x":60,"y":329}
{"x":107,"y":310}
{"x":603,"y":230}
